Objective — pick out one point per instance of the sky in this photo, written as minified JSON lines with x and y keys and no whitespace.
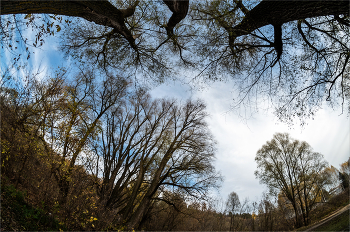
{"x":237,"y":140}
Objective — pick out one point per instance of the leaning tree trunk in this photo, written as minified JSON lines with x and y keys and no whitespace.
{"x":137,"y":216}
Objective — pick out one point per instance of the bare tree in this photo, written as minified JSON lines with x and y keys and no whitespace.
{"x":148,"y":146}
{"x":27,"y":107}
{"x":266,"y":211}
{"x":262,"y":59}
{"x":81,"y":107}
{"x":65,"y":116}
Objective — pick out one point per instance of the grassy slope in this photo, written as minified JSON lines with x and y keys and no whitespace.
{"x":327,"y":209}
{"x":339,"y":223}
{"x":17,"y":215}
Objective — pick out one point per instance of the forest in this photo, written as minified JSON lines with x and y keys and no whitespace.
{"x":107,"y":158}
{"x":87,"y":147}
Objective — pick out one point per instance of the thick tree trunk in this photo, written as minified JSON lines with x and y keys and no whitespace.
{"x":179,"y":9}
{"x":99,"y":12}
{"x":94,"y":11}
{"x":63,"y":185}
{"x":280,"y":12}
{"x":277,"y":13}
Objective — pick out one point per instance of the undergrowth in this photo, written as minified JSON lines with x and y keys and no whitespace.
{"x":18,"y":215}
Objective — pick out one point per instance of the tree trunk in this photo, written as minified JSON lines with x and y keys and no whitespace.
{"x":156,"y":181}
{"x":99,"y":12}
{"x":126,"y":212}
{"x":297,"y":221}
{"x":231,"y":221}
{"x":280,"y":12}
{"x":63,"y":185}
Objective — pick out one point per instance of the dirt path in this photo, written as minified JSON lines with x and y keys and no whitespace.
{"x":330,"y":217}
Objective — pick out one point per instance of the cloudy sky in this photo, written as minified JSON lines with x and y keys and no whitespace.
{"x":237,"y":140}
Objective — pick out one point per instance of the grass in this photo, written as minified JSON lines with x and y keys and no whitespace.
{"x":327,"y":209}
{"x":17,"y":215}
{"x":338,"y":223}
{"x":332,"y":205}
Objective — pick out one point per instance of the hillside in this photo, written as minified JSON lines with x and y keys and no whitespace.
{"x":18,"y":215}
{"x":332,"y":215}
{"x":339,"y":221}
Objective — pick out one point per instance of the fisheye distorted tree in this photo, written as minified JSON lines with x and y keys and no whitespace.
{"x":151,"y":146}
{"x":295,"y":53}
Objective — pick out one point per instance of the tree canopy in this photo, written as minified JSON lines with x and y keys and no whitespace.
{"x":292,"y":53}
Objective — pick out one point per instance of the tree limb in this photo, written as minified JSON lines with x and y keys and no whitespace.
{"x":274,"y":13}
{"x":100,"y":12}
{"x":179,"y":9}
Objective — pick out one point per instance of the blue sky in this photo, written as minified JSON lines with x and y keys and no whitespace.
{"x":238,"y":140}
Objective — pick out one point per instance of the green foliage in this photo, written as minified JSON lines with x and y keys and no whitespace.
{"x":17,"y":214}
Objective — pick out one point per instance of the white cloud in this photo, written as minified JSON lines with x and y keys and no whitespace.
{"x":238,"y":141}
{"x":173,"y":89}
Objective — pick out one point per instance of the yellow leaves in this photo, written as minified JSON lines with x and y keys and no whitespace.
{"x":92,"y":219}
{"x":345,"y":167}
{"x":253,"y":216}
{"x":5,"y":146}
